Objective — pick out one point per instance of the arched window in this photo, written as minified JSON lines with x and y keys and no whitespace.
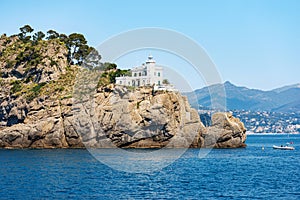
{"x":140,"y":74}
{"x":134,"y":74}
{"x":158,"y":74}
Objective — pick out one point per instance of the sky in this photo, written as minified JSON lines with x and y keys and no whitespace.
{"x":252,"y":43}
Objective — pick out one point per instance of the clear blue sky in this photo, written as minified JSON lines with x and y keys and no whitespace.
{"x":253,"y":43}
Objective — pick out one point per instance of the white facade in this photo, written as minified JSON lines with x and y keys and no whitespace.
{"x":147,"y":74}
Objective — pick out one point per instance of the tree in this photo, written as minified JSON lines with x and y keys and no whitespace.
{"x":78,"y":48}
{"x":38,"y":36}
{"x":115,"y":73}
{"x":166,"y":82}
{"x":64,"y":38}
{"x":25,"y":30}
{"x":52,"y":35}
{"x":108,"y":66}
{"x":92,"y":60}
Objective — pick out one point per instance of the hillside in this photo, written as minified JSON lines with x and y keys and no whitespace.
{"x":285,"y":99}
{"x":29,"y":72}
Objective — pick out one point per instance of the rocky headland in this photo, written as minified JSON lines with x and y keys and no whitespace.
{"x":39,"y":108}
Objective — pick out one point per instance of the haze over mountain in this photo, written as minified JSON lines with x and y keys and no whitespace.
{"x":284,"y":99}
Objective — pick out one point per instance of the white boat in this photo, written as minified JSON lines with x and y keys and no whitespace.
{"x":283,"y":147}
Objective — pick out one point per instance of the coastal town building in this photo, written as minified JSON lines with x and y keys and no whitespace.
{"x":148,"y":74}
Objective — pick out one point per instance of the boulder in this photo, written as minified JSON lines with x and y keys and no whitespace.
{"x":226,"y":132}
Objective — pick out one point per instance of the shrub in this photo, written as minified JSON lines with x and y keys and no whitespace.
{"x":37,"y":88}
{"x":34,"y":92}
{"x":16,"y":86}
{"x":102,"y":82}
{"x":166,"y":81}
{"x":52,"y":63}
{"x":10,"y":64}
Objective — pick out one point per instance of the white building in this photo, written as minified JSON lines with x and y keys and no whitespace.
{"x":147,"y":74}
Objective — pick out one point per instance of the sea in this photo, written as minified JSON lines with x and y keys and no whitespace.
{"x":255,"y":172}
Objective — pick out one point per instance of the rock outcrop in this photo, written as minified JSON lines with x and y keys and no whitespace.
{"x":138,"y":119}
{"x":226,"y":132}
{"x":142,"y":118}
{"x":38,"y":108}
{"x":47,"y":125}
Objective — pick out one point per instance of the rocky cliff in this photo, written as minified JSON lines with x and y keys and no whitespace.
{"x":138,"y":118}
{"x":39,"y":108}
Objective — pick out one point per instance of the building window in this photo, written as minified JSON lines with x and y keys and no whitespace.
{"x":134,"y":74}
{"x":158,"y":83}
{"x":140,"y":74}
{"x":158,"y":74}
{"x":128,"y":83}
{"x":145,"y":73}
{"x":120,"y":82}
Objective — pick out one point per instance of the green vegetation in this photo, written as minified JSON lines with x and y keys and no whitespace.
{"x":75,"y":43}
{"x":34,"y":91}
{"x":38,"y":36}
{"x":109,"y":66}
{"x":63,"y":87}
{"x":25,"y":54}
{"x":25,"y":31}
{"x":52,"y":35}
{"x":52,"y":63}
{"x":110,"y":73}
{"x":29,"y":44}
{"x":78,"y":48}
{"x":28,"y":54}
{"x":16,"y":86}
{"x":30,"y":91}
{"x":166,"y":81}
{"x":37,"y":88}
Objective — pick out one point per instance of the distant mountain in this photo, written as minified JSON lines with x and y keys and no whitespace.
{"x":290,"y":107}
{"x":284,"y":99}
{"x":281,"y":89}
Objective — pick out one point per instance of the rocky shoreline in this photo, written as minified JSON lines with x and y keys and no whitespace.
{"x":140,"y":118}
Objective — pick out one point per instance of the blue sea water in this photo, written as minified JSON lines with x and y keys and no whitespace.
{"x":248,"y":173}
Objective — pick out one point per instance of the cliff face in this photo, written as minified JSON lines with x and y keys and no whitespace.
{"x":36,"y":87}
{"x":141,"y":118}
{"x":38,"y":109}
